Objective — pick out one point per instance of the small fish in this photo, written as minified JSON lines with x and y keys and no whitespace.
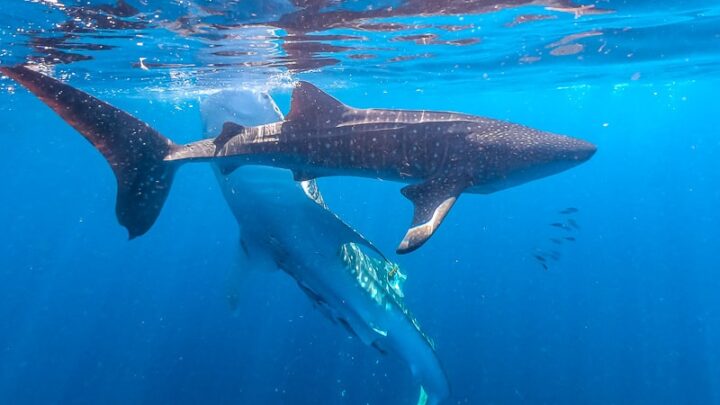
{"x":540,"y":258}
{"x":556,"y":241}
{"x":569,"y":210}
{"x":573,"y":224}
{"x":570,"y":238}
{"x":555,"y":255}
{"x":545,"y":267}
{"x":561,"y":226}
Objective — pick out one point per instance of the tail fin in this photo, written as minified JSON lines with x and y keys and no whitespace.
{"x":133,"y":149}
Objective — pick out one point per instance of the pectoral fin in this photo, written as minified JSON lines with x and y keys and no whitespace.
{"x":433,"y":200}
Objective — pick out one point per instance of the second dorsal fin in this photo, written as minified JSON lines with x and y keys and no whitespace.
{"x":230,"y":129}
{"x":313,"y":107}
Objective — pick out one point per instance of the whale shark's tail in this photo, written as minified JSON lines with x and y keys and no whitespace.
{"x":133,"y":149}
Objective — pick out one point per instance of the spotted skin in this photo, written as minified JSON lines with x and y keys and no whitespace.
{"x":440,"y":154}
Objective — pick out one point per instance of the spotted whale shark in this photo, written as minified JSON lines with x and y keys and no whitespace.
{"x":347,"y":278}
{"x":329,"y":260}
{"x":441,"y":155}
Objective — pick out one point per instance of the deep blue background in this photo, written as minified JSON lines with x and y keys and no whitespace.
{"x":629,"y":314}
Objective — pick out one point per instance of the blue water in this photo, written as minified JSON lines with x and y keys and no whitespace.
{"x":629,"y":313}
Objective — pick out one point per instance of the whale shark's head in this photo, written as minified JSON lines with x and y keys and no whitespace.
{"x":518,"y":154}
{"x":547,"y":154}
{"x":550,"y":153}
{"x":237,"y":105}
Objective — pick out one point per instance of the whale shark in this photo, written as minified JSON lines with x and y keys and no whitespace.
{"x":361,"y":292}
{"x":441,"y":155}
{"x":284,"y":224}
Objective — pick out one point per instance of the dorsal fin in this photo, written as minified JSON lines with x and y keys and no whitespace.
{"x":313,"y":107}
{"x":230,"y":129}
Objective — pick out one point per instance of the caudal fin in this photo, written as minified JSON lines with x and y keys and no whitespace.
{"x":133,"y":149}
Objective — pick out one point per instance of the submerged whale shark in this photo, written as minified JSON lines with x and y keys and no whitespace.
{"x":440,"y":154}
{"x":283,"y":224}
{"x":358,"y":291}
